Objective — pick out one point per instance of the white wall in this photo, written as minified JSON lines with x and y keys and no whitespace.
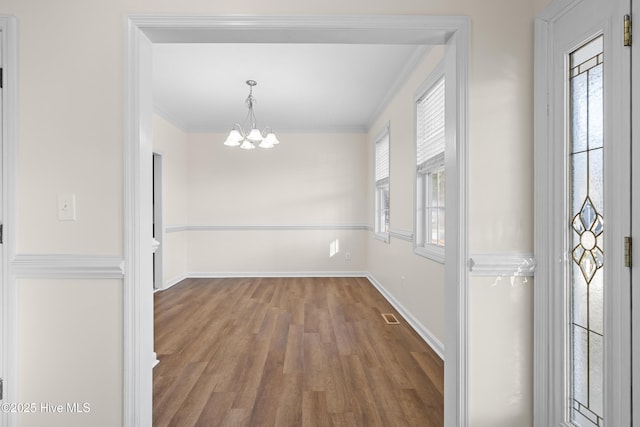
{"x":416,"y":283}
{"x":70,"y":350}
{"x":304,"y":195}
{"x":70,"y":130}
{"x":171,"y":143}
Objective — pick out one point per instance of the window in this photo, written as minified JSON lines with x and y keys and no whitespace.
{"x":430,"y":171}
{"x":381,"y":210}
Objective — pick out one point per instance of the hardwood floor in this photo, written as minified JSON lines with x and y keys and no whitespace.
{"x":289,"y":352}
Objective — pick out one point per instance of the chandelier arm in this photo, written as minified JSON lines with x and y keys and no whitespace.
{"x":238,"y":127}
{"x":257,"y":137}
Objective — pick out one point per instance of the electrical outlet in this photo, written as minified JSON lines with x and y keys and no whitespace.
{"x":67,"y":207}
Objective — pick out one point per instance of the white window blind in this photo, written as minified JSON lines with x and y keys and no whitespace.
{"x":430,"y":127}
{"x":382,"y":159}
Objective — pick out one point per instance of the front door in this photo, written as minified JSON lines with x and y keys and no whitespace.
{"x":589,"y":207}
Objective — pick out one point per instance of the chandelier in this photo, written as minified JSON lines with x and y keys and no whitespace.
{"x":238,"y":136}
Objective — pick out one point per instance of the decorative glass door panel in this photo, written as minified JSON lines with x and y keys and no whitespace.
{"x":586,"y":235}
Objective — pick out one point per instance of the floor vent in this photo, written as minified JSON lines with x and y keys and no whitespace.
{"x":390,"y":318}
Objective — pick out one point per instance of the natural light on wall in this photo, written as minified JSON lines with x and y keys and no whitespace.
{"x":334,"y":248}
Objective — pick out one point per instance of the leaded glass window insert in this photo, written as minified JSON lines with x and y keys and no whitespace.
{"x":586,"y":234}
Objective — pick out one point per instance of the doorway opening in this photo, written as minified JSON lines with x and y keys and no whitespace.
{"x":142,"y":32}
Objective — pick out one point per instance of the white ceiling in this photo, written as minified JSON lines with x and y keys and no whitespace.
{"x":301,"y":87}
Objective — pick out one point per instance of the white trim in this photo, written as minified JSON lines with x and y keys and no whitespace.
{"x":68,"y":266}
{"x":457,"y":54}
{"x":234,"y":274}
{"x":158,"y":219}
{"x":502,"y":264}
{"x":453,"y":32}
{"x":383,"y":237}
{"x":635,"y":209}
{"x":289,"y":130}
{"x":420,"y":329}
{"x":432,"y":252}
{"x":9,"y":294}
{"x":384,"y":131}
{"x":170,"y":283}
{"x":397,"y":233}
{"x":265,"y":227}
{"x":175,"y":228}
{"x":351,"y":29}
{"x":156,"y":360}
{"x":137,"y":288}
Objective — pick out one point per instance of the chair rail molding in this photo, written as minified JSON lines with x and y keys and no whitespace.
{"x":502,"y":264}
{"x":264,"y":227}
{"x":67,"y":266}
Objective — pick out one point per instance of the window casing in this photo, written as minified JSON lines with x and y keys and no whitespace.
{"x":381,"y":208}
{"x":430,"y":170}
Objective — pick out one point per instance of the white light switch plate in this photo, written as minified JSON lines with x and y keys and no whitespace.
{"x":67,"y":207}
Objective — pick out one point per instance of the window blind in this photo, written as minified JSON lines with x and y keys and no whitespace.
{"x":382,"y":159}
{"x":430,"y":126}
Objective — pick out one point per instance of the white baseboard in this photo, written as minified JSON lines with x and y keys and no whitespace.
{"x":155,"y":359}
{"x":174,"y":281}
{"x":424,"y":333}
{"x":223,"y":275}
{"x":241,"y":274}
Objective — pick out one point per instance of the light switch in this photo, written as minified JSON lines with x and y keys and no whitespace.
{"x":67,"y":207}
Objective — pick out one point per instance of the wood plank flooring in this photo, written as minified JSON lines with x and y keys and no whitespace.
{"x":289,"y":352}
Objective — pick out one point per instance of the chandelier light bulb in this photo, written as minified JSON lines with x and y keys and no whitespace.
{"x":247,"y":145}
{"x":234,"y":139}
{"x":271,"y":137}
{"x":254,"y":135}
{"x":265,"y":144}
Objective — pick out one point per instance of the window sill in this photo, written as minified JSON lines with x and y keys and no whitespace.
{"x":432,"y":252}
{"x":383,"y":237}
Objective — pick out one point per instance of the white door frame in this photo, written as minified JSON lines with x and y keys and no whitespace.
{"x":9,"y":143}
{"x":635,"y":208}
{"x":141,"y":31}
{"x":158,"y":220}
{"x":550,"y":170}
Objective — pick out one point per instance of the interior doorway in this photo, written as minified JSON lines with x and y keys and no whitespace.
{"x":142,"y":32}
